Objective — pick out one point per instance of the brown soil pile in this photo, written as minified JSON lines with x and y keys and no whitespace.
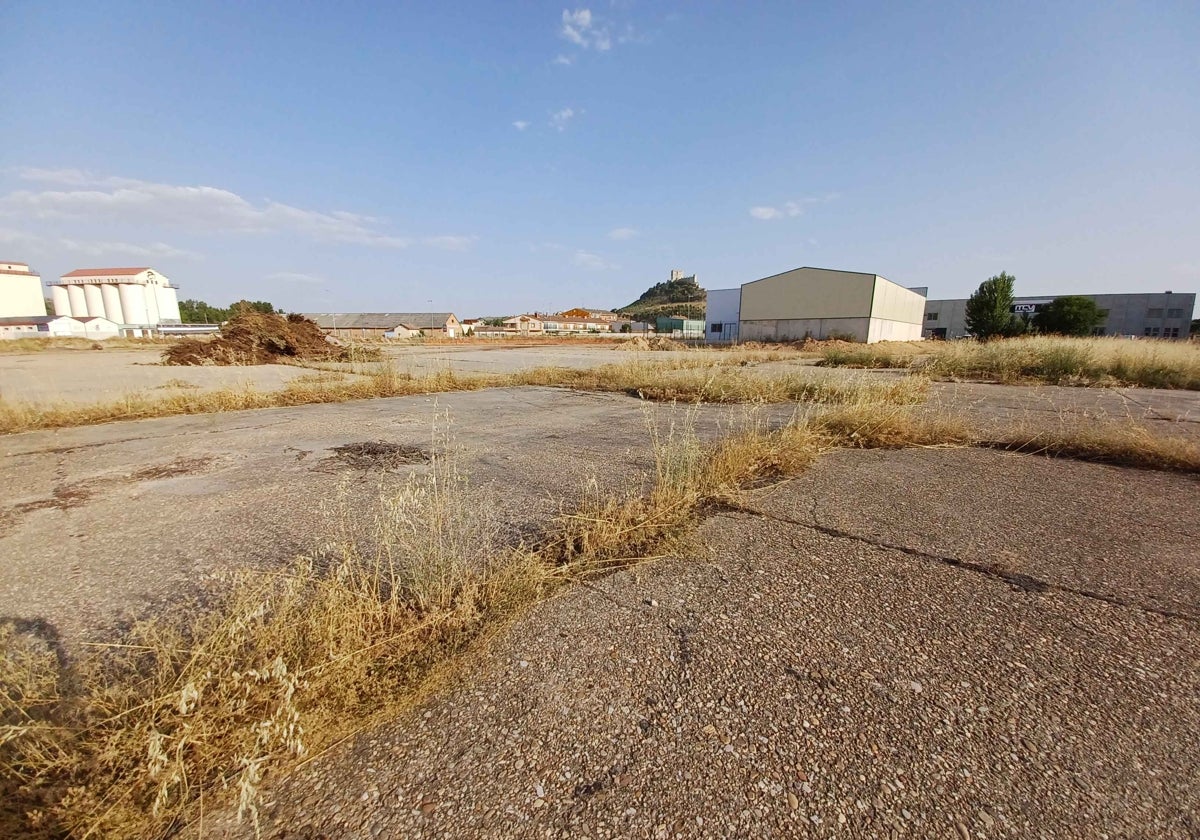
{"x":254,"y":338}
{"x":654,"y":342}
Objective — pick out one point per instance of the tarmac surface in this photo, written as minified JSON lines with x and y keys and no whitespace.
{"x":927,"y":643}
{"x":934,"y":643}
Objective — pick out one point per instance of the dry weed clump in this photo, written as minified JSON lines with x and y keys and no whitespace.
{"x":124,"y":743}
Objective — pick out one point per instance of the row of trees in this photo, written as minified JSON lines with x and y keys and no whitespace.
{"x":199,"y":312}
{"x":990,"y":313}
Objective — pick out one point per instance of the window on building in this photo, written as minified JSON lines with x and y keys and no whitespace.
{"x":1170,"y":332}
{"x":1154,"y":312}
{"x":931,"y":316}
{"x":1146,"y":332}
{"x":716,"y":327}
{"x":1174,"y":313}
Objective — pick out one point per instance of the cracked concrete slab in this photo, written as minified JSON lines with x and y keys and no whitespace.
{"x":1121,"y":534}
{"x":803,"y":678}
{"x":106,"y":521}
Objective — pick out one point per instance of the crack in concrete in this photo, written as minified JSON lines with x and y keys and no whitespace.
{"x":1019,"y":580}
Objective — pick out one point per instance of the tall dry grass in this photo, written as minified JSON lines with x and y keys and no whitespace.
{"x":688,"y":380}
{"x":1051,"y":359}
{"x":1091,"y":361}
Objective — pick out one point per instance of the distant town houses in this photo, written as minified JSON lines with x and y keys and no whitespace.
{"x":369,"y":325}
{"x":571,"y":322}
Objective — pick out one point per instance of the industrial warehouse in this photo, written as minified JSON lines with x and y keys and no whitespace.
{"x":1139,"y":315}
{"x":819,"y":303}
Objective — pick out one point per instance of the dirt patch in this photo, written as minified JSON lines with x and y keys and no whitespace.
{"x":178,"y":467}
{"x":656,"y":342}
{"x":256,"y":338}
{"x":369,"y":455}
{"x":63,"y":498}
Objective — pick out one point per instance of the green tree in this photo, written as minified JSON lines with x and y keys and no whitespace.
{"x":989,"y":309}
{"x":1195,"y":330}
{"x":256,"y":306}
{"x":199,"y":312}
{"x":1069,"y":315}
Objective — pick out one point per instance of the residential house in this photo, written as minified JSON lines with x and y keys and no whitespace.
{"x":592,"y":314}
{"x":525,"y":324}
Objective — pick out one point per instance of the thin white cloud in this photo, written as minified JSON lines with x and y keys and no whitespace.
{"x":622,"y":233}
{"x":129,"y":249}
{"x":764,"y":212}
{"x":590,"y":261}
{"x":564,"y":60}
{"x":199,"y":209}
{"x":790,"y":209}
{"x":90,"y":248}
{"x":581,"y":29}
{"x":520,"y":125}
{"x":560,"y":119}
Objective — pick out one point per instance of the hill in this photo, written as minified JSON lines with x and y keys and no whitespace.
{"x":683,"y":297}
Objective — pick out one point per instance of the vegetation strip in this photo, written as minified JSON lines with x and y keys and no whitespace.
{"x":694,"y":379}
{"x":1112,"y":362}
{"x":123,"y":741}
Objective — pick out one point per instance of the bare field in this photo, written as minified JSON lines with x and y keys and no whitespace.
{"x":80,"y":377}
{"x":121,"y":522}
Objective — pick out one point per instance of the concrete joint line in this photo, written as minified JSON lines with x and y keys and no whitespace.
{"x":1017,"y":580}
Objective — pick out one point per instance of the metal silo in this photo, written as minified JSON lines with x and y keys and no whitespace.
{"x":133,"y":303}
{"x":94,"y":300}
{"x":112,"y":303}
{"x":62,"y":301}
{"x":78,"y":302}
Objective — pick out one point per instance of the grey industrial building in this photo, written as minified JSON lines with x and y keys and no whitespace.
{"x":1143,"y":315}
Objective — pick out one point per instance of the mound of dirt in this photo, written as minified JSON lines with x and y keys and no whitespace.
{"x":654,"y":342}
{"x":255,"y":338}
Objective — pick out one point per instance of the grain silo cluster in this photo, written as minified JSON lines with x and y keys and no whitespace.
{"x":135,"y":298}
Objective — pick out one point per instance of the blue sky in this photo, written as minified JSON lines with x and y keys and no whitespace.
{"x":490,"y":158}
